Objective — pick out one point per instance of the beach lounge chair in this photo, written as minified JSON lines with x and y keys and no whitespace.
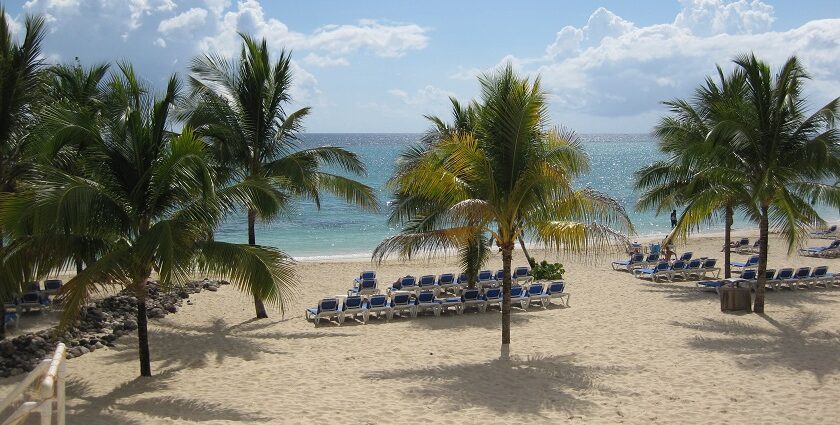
{"x":364,"y":275}
{"x":522,"y":275}
{"x":749,"y":277}
{"x":784,"y":275}
{"x":351,"y":307}
{"x":518,"y":295}
{"x":626,"y":264}
{"x":715,"y":285}
{"x":662,"y":270}
{"x":735,"y":247}
{"x":536,"y":294}
{"x":32,"y":287}
{"x":743,"y":265}
{"x":365,"y":287}
{"x":686,"y":256}
{"x":486,"y":279}
{"x":829,"y":233}
{"x":32,"y":301}
{"x":401,"y":302}
{"x":819,"y":275}
{"x":749,"y":249}
{"x":821,"y":251}
{"x":428,"y":283}
{"x":11,"y":318}
{"x":446,"y":282}
{"x":709,"y":267}
{"x":801,"y":276}
{"x":405,"y":283}
{"x":327,"y":308}
{"x":500,"y":276}
{"x":692,"y":267}
{"x":677,"y":270}
{"x":378,"y":304}
{"x":472,"y":298}
{"x":655,"y":248}
{"x":493,"y":296}
{"x":451,"y":303}
{"x":426,"y":301}
{"x":53,"y":286}
{"x":557,"y":290}
{"x":649,"y":262}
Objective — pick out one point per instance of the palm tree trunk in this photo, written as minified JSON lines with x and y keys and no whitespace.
{"x":143,"y":329}
{"x":525,"y":251}
{"x":763,"y":226}
{"x":259,"y":307}
{"x":80,"y":266}
{"x":727,"y":241}
{"x":2,"y":319}
{"x":507,"y":258}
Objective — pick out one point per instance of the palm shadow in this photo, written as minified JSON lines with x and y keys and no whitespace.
{"x":794,"y":344}
{"x":687,"y":292}
{"x":86,"y":408}
{"x":539,"y":383}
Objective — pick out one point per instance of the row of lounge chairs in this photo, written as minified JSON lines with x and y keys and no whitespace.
{"x":790,"y":278}
{"x":743,"y":247}
{"x":367,"y":283}
{"x":830,"y":233}
{"x":412,"y":304}
{"x":830,"y":251}
{"x":642,"y":261}
{"x":698,"y":268}
{"x":33,"y":297}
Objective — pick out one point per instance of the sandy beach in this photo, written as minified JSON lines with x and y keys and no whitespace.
{"x":626,"y":351}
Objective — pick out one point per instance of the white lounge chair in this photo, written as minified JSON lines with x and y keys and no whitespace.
{"x":536,"y":294}
{"x":557,"y":290}
{"x":327,"y":308}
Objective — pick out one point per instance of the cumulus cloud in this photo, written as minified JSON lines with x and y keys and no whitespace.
{"x":189,"y":19}
{"x":383,"y":39}
{"x":610,"y":67}
{"x":429,"y":95}
{"x":324,"y":61}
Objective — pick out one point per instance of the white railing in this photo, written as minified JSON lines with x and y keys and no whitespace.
{"x":48,"y":377}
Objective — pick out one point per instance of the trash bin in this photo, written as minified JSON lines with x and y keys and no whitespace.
{"x":735,"y":299}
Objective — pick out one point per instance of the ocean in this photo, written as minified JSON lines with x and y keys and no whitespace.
{"x":341,"y":230}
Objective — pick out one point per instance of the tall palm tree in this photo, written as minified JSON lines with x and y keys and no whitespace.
{"x":511,"y":175}
{"x":149,"y":197}
{"x":21,"y":89}
{"x":238,"y":107}
{"x":784,"y":157}
{"x":686,"y":178}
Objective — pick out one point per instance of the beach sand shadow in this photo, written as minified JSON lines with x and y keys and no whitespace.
{"x":523,"y":386}
{"x":794,"y":344}
{"x":110,"y":408}
{"x":682,"y":291}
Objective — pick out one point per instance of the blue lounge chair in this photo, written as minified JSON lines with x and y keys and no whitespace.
{"x":446,"y":282}
{"x":327,"y":309}
{"x":518,"y":295}
{"x":626,"y":264}
{"x":522,"y":275}
{"x":783,"y":276}
{"x":711,"y":285}
{"x":472,"y":298}
{"x":686,"y":256}
{"x":536,"y":294}
{"x":500,"y":276}
{"x":677,"y":270}
{"x":829,"y":233}
{"x":401,"y":302}
{"x":428,"y":283}
{"x":750,"y":277}
{"x":821,"y":251}
{"x":737,"y":246}
{"x":801,"y":276}
{"x":426,"y":301}
{"x":492,"y":296}
{"x":486,"y":279}
{"x":351,"y":307}
{"x":32,"y":301}
{"x":451,"y":303}
{"x":365,"y":287}
{"x":743,"y":265}
{"x":378,"y":304}
{"x":557,"y":290}
{"x":662,"y":270}
{"x":749,"y":249}
{"x":53,"y":286}
{"x":709,"y":266}
{"x":648,"y":262}
{"x":655,"y":248}
{"x":819,"y":275}
{"x":364,"y":275}
{"x":32,"y":287}
{"x":405,"y":283}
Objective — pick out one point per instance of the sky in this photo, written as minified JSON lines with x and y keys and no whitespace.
{"x":381,"y":65}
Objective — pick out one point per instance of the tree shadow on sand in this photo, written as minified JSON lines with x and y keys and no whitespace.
{"x":110,"y":408}
{"x":793,"y":344}
{"x":526,"y":386}
{"x":174,"y":345}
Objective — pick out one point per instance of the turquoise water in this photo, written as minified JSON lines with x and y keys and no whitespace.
{"x":338,"y":229}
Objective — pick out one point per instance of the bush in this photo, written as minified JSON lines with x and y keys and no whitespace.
{"x":545,"y":270}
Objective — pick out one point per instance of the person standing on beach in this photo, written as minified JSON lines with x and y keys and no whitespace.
{"x":673,"y":219}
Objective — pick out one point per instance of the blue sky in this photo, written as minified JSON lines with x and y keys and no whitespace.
{"x":378,"y":66}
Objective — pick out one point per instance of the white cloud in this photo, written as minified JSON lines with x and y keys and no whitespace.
{"x":187,"y":20}
{"x":383,"y":39}
{"x":429,"y":95}
{"x":160,"y":42}
{"x":53,"y":4}
{"x":610,"y":67}
{"x":324,"y":61}
{"x":217,"y":6}
{"x":304,"y":85}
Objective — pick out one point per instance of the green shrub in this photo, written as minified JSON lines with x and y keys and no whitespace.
{"x":545,"y":270}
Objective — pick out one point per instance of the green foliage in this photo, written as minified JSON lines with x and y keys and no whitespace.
{"x":545,"y":270}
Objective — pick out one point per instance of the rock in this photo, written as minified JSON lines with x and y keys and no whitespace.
{"x":129,"y":324}
{"x":171,"y":308}
{"x":99,"y":345}
{"x":211,"y":288}
{"x":156,"y":313}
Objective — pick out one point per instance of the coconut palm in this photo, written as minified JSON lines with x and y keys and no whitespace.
{"x":238,"y":106}
{"x":784,"y":156}
{"x":21,"y":88}
{"x":511,"y":175}
{"x":149,"y":198}
{"x":687,"y":178}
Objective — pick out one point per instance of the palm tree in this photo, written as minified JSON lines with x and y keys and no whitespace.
{"x":149,"y":198}
{"x":511,"y":175}
{"x":687,"y":177}
{"x":238,"y":107}
{"x":20,"y":91}
{"x":784,"y":157}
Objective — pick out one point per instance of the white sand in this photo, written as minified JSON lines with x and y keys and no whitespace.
{"x":625,"y":351}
